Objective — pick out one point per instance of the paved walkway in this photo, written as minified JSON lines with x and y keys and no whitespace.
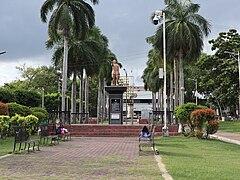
{"x":91,"y":158}
{"x":227,"y":137}
{"x":83,"y":158}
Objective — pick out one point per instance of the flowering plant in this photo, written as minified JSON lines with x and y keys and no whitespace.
{"x":212,"y":127}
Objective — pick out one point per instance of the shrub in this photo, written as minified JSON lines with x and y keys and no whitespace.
{"x":183,"y":113}
{"x":3,"y":109}
{"x":16,"y":120}
{"x":42,"y":118}
{"x":27,"y":97}
{"x":212,"y":127}
{"x":14,"y":108}
{"x":4,"y":125}
{"x":52,"y":102}
{"x":7,"y":95}
{"x":40,"y":113}
{"x":31,"y":122}
{"x":201,"y":117}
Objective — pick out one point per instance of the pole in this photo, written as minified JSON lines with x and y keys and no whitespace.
{"x":196,"y":91}
{"x":165,"y":128}
{"x":126,"y":93}
{"x":238,"y":85}
{"x":238,"y":59}
{"x":42,"y":97}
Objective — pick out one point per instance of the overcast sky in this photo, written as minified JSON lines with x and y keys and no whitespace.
{"x":126,"y":23}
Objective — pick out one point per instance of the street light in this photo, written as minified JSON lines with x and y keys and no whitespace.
{"x":158,"y":15}
{"x":238,"y":59}
{"x":126,"y":93}
{"x":196,"y":90}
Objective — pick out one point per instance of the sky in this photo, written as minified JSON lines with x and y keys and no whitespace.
{"x":126,"y":24}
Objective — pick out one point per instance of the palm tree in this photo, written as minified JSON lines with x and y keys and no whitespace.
{"x":151,"y":74}
{"x":185,"y":30}
{"x":83,"y":54}
{"x":69,"y":17}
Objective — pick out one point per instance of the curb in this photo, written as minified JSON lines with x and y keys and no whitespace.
{"x":4,"y":156}
{"x":162,"y":168}
{"x":225,"y":139}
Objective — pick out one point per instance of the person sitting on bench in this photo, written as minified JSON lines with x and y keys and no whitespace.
{"x":145,"y":132}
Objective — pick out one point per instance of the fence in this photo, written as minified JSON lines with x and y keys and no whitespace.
{"x":67,"y":117}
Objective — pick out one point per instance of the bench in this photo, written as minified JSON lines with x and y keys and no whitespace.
{"x":65,"y":137}
{"x":46,"y":134}
{"x":147,"y":139}
{"x":21,"y":136}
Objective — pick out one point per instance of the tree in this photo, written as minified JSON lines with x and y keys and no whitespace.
{"x":185,"y":30}
{"x":84,"y":55}
{"x":219,"y":72}
{"x":41,"y":77}
{"x":151,"y":74}
{"x":70,"y":17}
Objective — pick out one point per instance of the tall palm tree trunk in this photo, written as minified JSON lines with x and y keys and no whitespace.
{"x":74,"y":97}
{"x":64,"y":83}
{"x":176,"y":83}
{"x":104,"y":101}
{"x":81,"y":98}
{"x":171,"y":91}
{"x":181,"y":80}
{"x":86,"y":98}
{"x":159,"y":100}
{"x":99,"y":103}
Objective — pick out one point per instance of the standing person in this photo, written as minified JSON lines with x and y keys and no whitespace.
{"x":115,"y":72}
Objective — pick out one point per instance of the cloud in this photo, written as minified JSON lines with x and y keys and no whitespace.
{"x":126,"y":24}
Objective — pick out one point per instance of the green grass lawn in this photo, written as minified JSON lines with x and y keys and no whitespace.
{"x":192,"y":158}
{"x":230,"y":126}
{"x":6,"y":145}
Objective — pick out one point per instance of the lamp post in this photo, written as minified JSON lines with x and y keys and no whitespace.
{"x":158,"y":16}
{"x":42,"y":97}
{"x":196,"y":89}
{"x":126,"y":93}
{"x":238,"y":59}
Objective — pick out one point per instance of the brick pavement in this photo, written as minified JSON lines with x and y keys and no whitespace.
{"x":83,"y":158}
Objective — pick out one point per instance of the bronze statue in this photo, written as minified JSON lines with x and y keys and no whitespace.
{"x":115,"y":72}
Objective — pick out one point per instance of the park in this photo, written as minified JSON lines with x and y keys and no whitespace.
{"x":88,"y":115}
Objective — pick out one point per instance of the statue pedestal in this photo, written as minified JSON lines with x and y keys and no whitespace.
{"x":115,"y":103}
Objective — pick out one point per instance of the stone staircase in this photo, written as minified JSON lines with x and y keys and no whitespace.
{"x":93,"y":130}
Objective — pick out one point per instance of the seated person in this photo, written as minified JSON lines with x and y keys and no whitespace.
{"x":144,"y":132}
{"x":61,"y":129}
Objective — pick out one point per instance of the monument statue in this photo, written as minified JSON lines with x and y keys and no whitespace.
{"x":115,"y":72}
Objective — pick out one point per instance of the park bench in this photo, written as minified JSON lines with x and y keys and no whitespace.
{"x":21,"y":136}
{"x":146,"y":138}
{"x":46,"y":134}
{"x":65,"y":136}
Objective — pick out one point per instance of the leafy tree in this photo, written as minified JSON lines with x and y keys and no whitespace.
{"x":28,"y":98}
{"x":185,"y":30}
{"x":7,"y":95}
{"x":52,"y":102}
{"x":70,"y":17}
{"x":41,"y":77}
{"x":219,"y":72}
